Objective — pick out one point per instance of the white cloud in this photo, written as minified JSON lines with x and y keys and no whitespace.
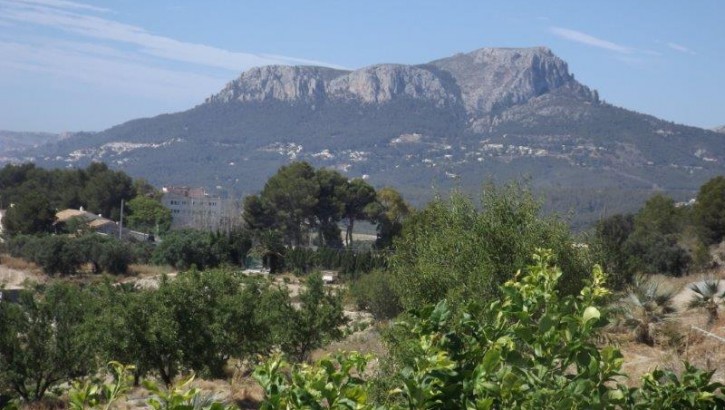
{"x":73,"y":62}
{"x":68,"y":45}
{"x":68,"y":17}
{"x":63,"y":4}
{"x":680,"y":48}
{"x":584,"y":38}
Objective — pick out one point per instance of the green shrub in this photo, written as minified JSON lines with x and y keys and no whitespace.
{"x":374,"y":293}
{"x":451,"y":250}
{"x":532,"y":349}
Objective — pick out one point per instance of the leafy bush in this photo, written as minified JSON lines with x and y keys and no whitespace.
{"x":648,"y":242}
{"x":532,"y":349}
{"x":450,"y":250}
{"x":42,"y":341}
{"x":374,"y":292}
{"x":58,"y":255}
{"x":185,"y":248}
{"x":317,"y":322}
{"x":348,"y":262}
{"x":709,"y":212}
{"x":333,"y":383}
{"x":61,"y":254}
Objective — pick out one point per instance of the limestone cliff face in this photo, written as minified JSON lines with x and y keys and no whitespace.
{"x":483,"y":82}
{"x":283,"y":83}
{"x":493,"y":79}
{"x":375,"y":84}
{"x":385,"y":82}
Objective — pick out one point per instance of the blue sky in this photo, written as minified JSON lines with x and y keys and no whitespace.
{"x":88,"y":65}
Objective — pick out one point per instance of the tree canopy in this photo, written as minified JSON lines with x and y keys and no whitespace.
{"x":33,"y":195}
{"x":299,"y":200}
{"x":710,"y":211}
{"x":147,"y":214}
{"x":451,"y":250}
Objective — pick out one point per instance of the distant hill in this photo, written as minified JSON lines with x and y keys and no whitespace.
{"x":719,"y":129}
{"x":12,"y":141}
{"x":494,"y":113}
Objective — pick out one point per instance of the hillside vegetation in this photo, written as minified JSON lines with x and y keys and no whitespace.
{"x":478,"y":304}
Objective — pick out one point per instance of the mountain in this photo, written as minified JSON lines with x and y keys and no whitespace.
{"x":494,"y":113}
{"x":12,"y":141}
{"x":720,"y":129}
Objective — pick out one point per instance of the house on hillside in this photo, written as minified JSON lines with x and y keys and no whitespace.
{"x":95,"y":223}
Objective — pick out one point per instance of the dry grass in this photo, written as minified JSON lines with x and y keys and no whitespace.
{"x":45,"y":404}
{"x":676,"y":340}
{"x":143,"y":270}
{"x":700,"y":350}
{"x":245,"y":391}
{"x":365,"y":341}
{"x":20,"y":264}
{"x":16,"y":272}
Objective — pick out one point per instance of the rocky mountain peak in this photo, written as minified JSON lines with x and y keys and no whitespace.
{"x":483,"y":81}
{"x":277,"y":82}
{"x":494,"y":78}
{"x":384,"y":82}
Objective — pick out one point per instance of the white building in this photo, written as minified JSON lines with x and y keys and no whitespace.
{"x":194,"y":208}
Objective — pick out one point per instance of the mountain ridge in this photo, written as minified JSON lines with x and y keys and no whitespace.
{"x":454,"y":121}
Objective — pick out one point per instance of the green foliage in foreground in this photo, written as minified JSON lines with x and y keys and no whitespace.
{"x":533,"y":349}
{"x":194,"y":322}
{"x":41,"y":342}
{"x":95,"y":394}
{"x":452,"y":250}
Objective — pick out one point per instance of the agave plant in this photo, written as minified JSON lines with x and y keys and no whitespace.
{"x":705,"y":296}
{"x":647,"y":304}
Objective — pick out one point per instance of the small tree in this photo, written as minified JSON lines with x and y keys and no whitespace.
{"x":709,"y":211}
{"x":359,"y":199}
{"x":33,"y":214}
{"x":42,"y":341}
{"x":59,"y":255}
{"x":115,"y":257}
{"x":452,"y":250}
{"x":184,"y":248}
{"x":374,"y":292}
{"x":148,"y":215}
{"x":610,"y":242}
{"x":317,"y":322}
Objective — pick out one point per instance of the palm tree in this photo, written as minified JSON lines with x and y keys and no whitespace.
{"x":706,"y":297}
{"x":646,"y":306}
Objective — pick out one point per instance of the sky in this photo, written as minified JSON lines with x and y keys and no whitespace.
{"x":88,"y":65}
